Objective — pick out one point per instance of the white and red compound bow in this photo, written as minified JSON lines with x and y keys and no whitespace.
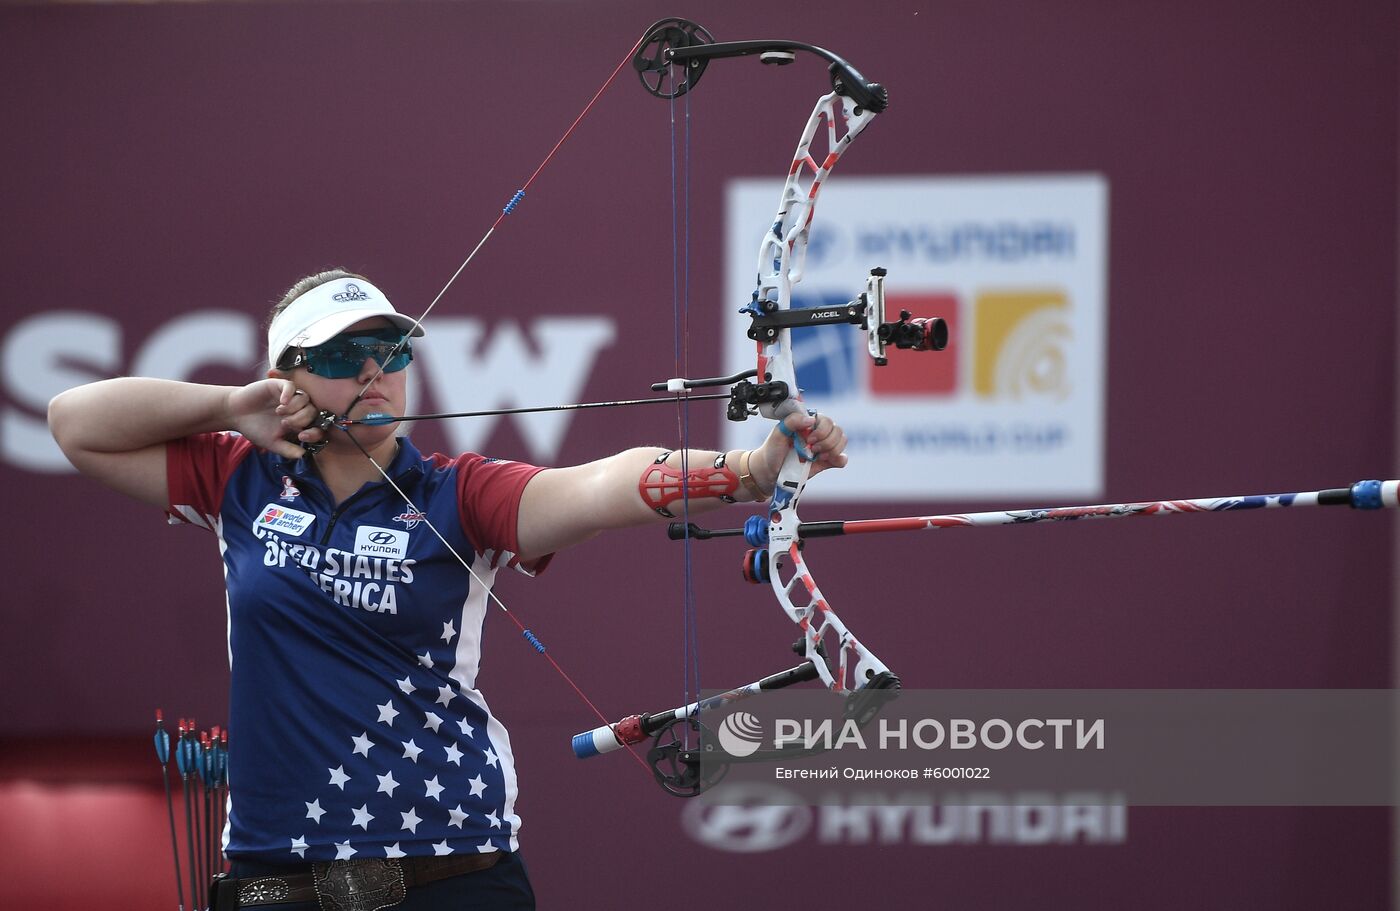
{"x":672,"y":58}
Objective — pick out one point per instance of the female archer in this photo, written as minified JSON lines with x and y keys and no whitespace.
{"x":358,"y":572}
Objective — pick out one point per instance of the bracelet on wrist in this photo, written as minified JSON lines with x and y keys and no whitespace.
{"x":747,"y":480}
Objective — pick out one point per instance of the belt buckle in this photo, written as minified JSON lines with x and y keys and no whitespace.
{"x":359,"y":885}
{"x":266,"y":891}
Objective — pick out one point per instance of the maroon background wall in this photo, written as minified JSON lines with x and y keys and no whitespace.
{"x":164,"y":158}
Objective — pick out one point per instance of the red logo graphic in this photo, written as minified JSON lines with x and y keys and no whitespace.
{"x":289,"y":490}
{"x":411,"y":518}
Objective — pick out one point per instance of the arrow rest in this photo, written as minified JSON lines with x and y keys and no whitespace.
{"x":745,"y":397}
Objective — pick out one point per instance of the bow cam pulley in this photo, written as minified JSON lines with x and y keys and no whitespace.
{"x":680,"y":41}
{"x":677,"y":768}
{"x":655,"y":56}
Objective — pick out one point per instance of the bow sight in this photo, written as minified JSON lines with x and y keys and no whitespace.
{"x":768,"y":320}
{"x":866,"y":311}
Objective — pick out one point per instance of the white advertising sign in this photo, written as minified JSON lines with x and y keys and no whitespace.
{"x":1014,"y":406}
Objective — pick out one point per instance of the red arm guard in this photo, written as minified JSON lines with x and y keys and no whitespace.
{"x":661,"y":485}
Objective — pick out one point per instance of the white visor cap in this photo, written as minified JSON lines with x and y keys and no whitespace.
{"x":327,"y":310}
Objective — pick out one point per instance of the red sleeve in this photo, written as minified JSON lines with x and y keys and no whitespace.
{"x":488,"y":500}
{"x":197,"y":468}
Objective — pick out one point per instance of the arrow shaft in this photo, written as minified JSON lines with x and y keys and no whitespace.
{"x":1363,"y":495}
{"x":534,"y":409}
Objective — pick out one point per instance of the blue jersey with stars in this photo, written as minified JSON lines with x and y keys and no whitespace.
{"x":356,"y":728}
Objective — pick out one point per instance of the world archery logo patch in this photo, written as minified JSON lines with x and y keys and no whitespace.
{"x":283,"y":520}
{"x":411,"y":518}
{"x":352,"y":292}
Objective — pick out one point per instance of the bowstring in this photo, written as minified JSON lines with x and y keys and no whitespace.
{"x":525,"y":632}
{"x":685,"y":309}
{"x":680,"y":310}
{"x":509,"y":207}
{"x":379,"y":371}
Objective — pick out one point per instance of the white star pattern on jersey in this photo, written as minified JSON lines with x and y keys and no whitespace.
{"x":355,"y":662}
{"x":418,"y":811}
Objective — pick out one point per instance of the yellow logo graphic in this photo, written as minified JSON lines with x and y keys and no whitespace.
{"x":1022,"y":341}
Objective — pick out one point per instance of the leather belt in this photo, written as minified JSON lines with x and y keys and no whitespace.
{"x":357,"y":885}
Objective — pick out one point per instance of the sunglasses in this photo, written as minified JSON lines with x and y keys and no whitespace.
{"x":344,"y":355}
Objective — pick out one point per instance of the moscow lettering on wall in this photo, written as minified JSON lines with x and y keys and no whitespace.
{"x":466,"y":364}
